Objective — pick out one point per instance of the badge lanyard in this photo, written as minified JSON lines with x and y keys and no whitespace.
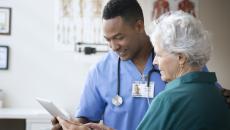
{"x":117,"y":100}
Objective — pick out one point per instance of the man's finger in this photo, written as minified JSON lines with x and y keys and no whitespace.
{"x":97,"y":126}
{"x":54,"y":121}
{"x":75,"y":121}
{"x":56,"y":127}
{"x":65,"y":125}
{"x":93,"y":125}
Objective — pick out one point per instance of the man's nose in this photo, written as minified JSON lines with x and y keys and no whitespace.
{"x":115,"y":46}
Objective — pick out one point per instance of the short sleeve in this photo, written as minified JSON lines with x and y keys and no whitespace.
{"x":91,"y":104}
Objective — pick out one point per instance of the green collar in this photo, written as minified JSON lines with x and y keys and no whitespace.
{"x":193,"y":77}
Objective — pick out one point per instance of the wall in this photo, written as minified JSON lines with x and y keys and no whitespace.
{"x":216,"y":18}
{"x":37,"y":69}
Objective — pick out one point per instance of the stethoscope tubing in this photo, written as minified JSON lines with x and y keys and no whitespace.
{"x":118,"y":78}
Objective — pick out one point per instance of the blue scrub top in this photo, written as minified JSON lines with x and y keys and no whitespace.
{"x":101,"y":87}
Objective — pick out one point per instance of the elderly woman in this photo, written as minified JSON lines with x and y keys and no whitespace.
{"x":190,"y":101}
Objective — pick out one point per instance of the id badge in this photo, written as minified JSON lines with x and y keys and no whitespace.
{"x":140,"y":89}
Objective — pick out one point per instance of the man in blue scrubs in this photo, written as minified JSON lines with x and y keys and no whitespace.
{"x":123,"y":26}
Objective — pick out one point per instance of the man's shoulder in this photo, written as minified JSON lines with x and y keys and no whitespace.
{"x":107,"y":61}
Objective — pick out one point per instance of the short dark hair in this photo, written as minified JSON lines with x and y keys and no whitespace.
{"x":129,"y":10}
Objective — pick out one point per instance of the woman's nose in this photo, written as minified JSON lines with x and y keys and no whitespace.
{"x":155,"y":61}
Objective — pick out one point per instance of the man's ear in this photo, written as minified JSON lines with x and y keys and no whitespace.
{"x":182,"y":59}
{"x":139,"y":26}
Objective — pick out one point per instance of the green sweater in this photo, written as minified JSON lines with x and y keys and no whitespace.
{"x":191,"y":102}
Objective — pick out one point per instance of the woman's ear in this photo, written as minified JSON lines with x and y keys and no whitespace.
{"x":182,"y":59}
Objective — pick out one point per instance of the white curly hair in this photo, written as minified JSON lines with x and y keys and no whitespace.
{"x":180,"y":32}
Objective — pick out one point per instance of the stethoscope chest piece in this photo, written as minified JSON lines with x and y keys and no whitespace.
{"x":117,"y":100}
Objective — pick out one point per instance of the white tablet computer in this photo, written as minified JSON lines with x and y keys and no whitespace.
{"x":53,"y":109}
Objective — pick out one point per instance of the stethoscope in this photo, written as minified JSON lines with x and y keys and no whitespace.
{"x":117,"y":100}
